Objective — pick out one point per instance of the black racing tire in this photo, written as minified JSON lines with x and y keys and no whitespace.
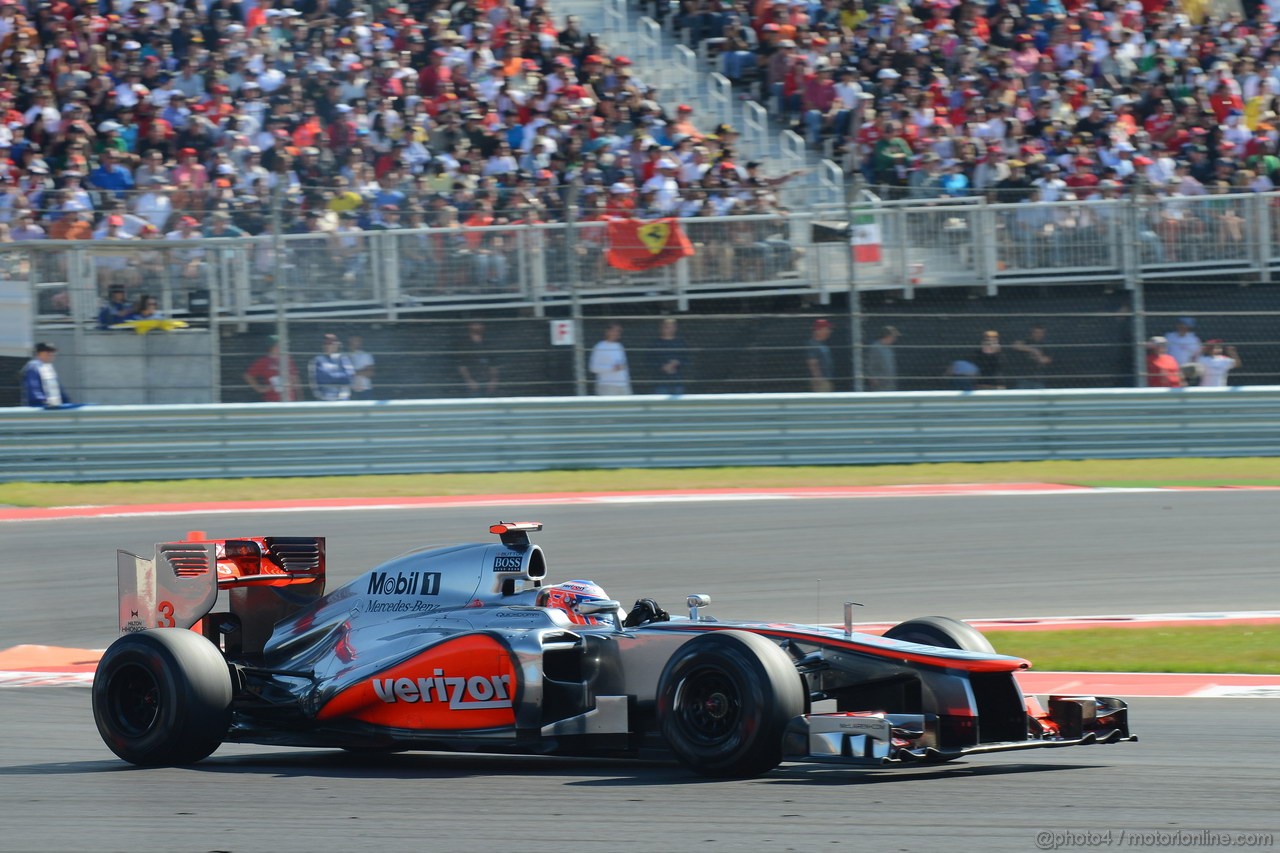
{"x":724,"y":701}
{"x":162,"y":697}
{"x":941,"y":631}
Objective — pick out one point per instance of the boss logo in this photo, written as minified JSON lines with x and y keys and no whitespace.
{"x":508,"y":563}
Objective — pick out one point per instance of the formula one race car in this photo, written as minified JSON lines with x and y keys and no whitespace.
{"x":469,"y":648}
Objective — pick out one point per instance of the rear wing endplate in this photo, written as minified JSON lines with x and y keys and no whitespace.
{"x":174,"y":590}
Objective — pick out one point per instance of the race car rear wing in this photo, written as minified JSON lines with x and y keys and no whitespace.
{"x":179,"y":586}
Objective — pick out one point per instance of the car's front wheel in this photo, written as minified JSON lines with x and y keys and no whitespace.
{"x":162,"y":697}
{"x":941,"y":631}
{"x":724,"y":701}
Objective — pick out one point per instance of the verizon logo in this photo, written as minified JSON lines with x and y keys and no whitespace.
{"x":462,"y":693}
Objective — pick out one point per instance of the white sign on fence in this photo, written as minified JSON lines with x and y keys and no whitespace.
{"x":562,"y":333}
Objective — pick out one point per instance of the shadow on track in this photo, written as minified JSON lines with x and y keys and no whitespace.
{"x":602,"y":772}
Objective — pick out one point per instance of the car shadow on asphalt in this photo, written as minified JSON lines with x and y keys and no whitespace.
{"x":576,"y":772}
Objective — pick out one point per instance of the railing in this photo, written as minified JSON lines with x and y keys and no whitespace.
{"x":312,"y":439}
{"x":953,"y":243}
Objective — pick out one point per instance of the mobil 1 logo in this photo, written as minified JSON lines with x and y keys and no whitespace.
{"x":404,"y":583}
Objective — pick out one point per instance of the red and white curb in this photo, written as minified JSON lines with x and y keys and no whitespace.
{"x":1134,"y":620}
{"x":575,"y":498}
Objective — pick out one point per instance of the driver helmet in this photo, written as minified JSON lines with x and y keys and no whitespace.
{"x":568,"y":595}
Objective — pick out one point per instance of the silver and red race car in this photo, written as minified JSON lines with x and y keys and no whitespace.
{"x":470,"y":648}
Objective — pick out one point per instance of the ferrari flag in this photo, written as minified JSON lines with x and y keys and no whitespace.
{"x":636,"y":244}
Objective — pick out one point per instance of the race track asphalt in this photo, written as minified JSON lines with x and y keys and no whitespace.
{"x":1201,"y":764}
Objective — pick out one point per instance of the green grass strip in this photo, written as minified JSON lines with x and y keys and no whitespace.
{"x":1094,"y":472}
{"x":1207,"y":648}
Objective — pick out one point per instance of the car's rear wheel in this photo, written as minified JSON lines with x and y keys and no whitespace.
{"x":724,"y":701}
{"x":941,"y":631}
{"x":162,"y":696}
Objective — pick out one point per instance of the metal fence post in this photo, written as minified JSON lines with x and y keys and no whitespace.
{"x":853,"y":189}
{"x":575,"y":298}
{"x":1133,"y":282}
{"x":277,"y":272}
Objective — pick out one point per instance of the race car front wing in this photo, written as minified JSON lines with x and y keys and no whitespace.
{"x":873,"y":738}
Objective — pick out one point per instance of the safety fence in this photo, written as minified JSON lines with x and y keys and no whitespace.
{"x":510,"y":434}
{"x":905,"y":247}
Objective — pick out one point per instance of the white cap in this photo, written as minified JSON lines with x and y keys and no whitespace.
{"x":621,"y":188}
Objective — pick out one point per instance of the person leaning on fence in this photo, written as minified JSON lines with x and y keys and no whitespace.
{"x":332,"y":372}
{"x":117,"y":308}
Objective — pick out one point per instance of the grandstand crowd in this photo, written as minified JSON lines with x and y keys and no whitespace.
{"x":1046,"y":98}
{"x":142,"y":118}
{"x":147,"y":118}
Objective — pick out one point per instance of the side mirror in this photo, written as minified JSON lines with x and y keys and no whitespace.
{"x":591,"y":608}
{"x":695,"y":601}
{"x":605,"y":607}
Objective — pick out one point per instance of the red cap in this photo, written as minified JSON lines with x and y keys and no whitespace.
{"x":593,"y":59}
{"x":115,"y":219}
{"x":188,"y":152}
{"x":1084,"y":161}
{"x":189,"y":221}
{"x":356,"y":66}
{"x":684,"y":108}
{"x":621,"y":60}
{"x":1142,"y":161}
{"x":223,"y":183}
{"x":821,"y":323}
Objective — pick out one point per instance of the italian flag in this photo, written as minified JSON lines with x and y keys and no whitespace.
{"x":865,"y":239}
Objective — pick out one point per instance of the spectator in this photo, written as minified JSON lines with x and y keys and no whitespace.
{"x":1215,"y":363}
{"x":40,"y":386}
{"x":609,"y":363}
{"x":963,"y":374}
{"x":363,"y":362}
{"x":117,"y":309}
{"x":1030,"y":359}
{"x":990,"y":361}
{"x":332,"y":372}
{"x":882,"y":361}
{"x":1162,"y":368}
{"x":477,"y":366}
{"x":671,"y":359}
{"x":818,"y":358}
{"x":1183,"y":343}
{"x":264,"y":376}
{"x":147,"y":308}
